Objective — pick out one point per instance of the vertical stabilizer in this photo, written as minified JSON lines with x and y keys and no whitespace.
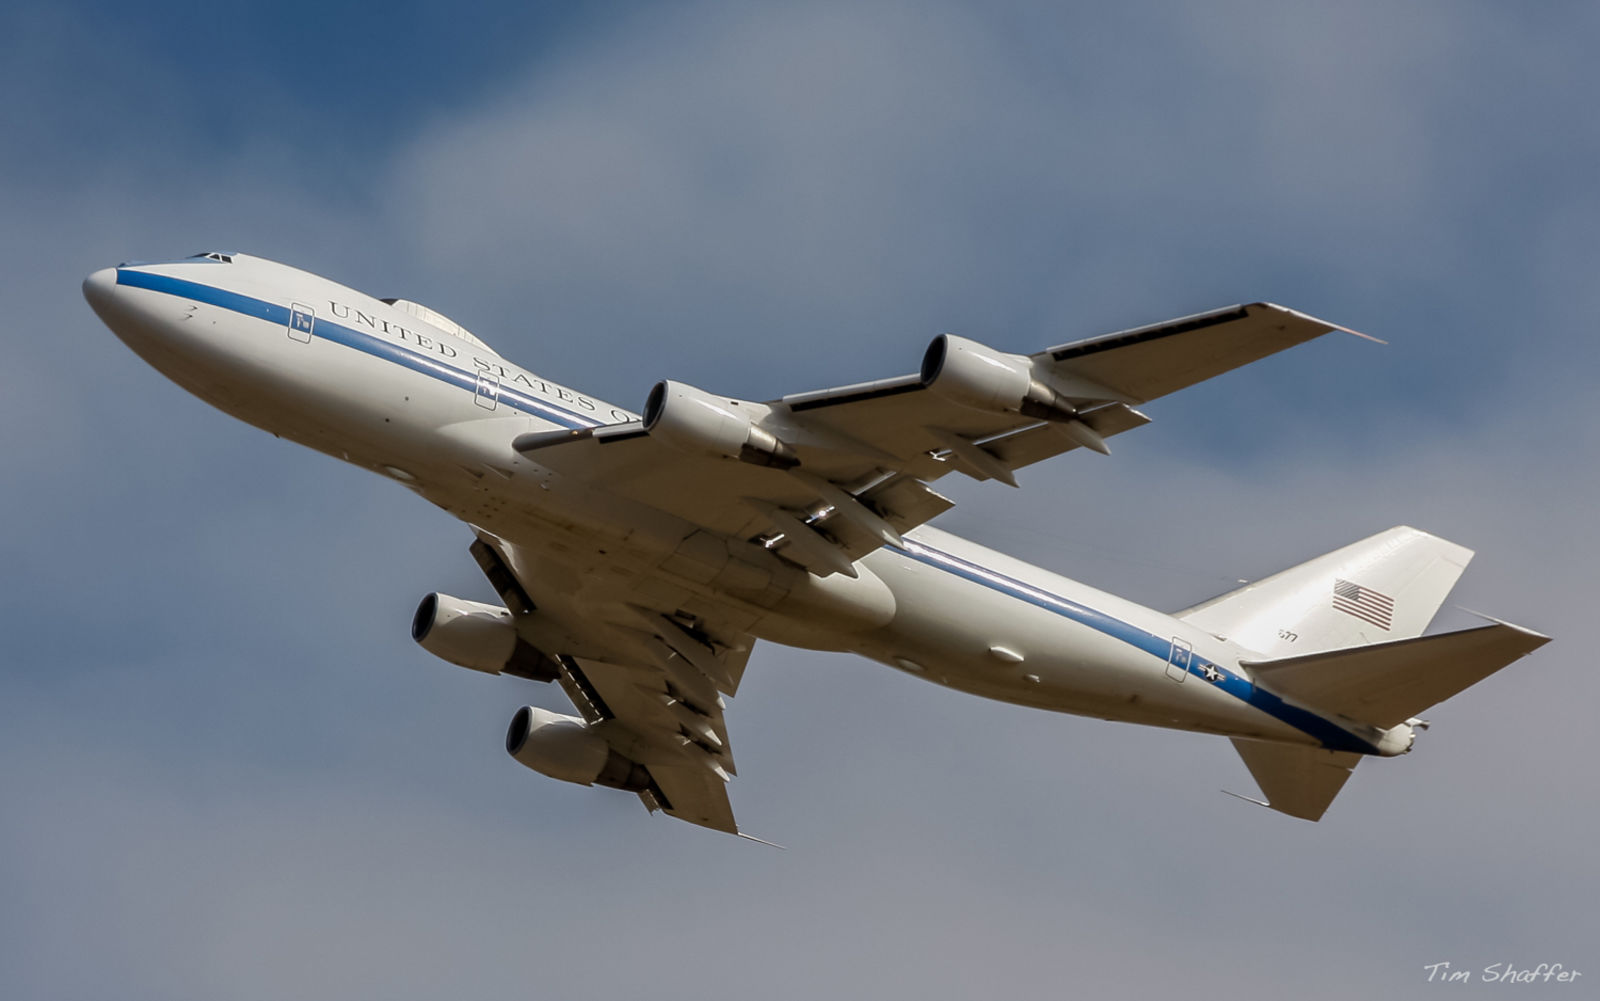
{"x":1383,"y":588}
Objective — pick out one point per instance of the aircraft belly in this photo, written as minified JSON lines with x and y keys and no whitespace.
{"x":979,"y":639}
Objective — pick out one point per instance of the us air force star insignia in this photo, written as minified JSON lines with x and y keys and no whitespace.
{"x":1212,"y":674}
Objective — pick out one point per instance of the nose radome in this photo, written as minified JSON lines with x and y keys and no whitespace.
{"x":100,"y":289}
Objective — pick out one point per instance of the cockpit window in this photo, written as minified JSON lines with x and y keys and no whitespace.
{"x":213,"y":256}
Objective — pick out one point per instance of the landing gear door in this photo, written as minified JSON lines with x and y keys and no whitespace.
{"x":1178,"y":660}
{"x":302,"y":321}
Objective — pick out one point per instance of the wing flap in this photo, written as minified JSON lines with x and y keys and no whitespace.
{"x":696,"y":795}
{"x":906,"y":502}
{"x":1045,"y":440}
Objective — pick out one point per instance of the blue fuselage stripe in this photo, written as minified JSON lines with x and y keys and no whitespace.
{"x":1330,"y":734}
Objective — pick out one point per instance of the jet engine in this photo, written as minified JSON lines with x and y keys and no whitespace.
{"x":977,"y":376}
{"x":693,"y":420}
{"x":478,"y":636}
{"x":565,"y":748}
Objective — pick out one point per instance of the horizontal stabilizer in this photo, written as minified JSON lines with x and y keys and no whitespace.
{"x":1388,"y":683}
{"x":1300,"y":781}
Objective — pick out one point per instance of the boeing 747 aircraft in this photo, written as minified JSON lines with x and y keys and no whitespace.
{"x":639,"y":558}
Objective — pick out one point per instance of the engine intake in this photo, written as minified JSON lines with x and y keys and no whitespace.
{"x":478,"y":636}
{"x":693,"y":420}
{"x":565,"y":748}
{"x":977,"y":376}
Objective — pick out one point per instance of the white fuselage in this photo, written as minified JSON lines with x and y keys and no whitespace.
{"x":380,"y":387}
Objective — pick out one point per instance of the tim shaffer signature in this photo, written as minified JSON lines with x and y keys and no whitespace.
{"x":1503,"y":973}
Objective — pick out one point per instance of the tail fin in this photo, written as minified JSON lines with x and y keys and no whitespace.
{"x":1382,"y":588}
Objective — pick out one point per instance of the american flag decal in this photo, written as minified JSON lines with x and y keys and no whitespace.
{"x":1364,"y":603}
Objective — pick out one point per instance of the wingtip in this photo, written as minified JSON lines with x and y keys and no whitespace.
{"x":1318,"y":320}
{"x":1357,"y":333}
{"x":1540,"y":639}
{"x":1247,"y":799}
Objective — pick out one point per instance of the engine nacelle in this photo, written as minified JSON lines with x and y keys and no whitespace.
{"x":693,"y":420}
{"x":563,"y":747}
{"x":977,"y":376}
{"x":478,"y":636}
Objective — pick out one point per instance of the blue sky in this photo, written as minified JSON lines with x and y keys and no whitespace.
{"x":227,"y":772}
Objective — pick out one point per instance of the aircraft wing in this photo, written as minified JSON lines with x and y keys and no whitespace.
{"x":682,"y":743}
{"x":649,"y":682}
{"x":829,"y":476}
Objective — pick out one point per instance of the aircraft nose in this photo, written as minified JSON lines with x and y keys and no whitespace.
{"x":100,"y":289}
{"x":124,"y":311}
